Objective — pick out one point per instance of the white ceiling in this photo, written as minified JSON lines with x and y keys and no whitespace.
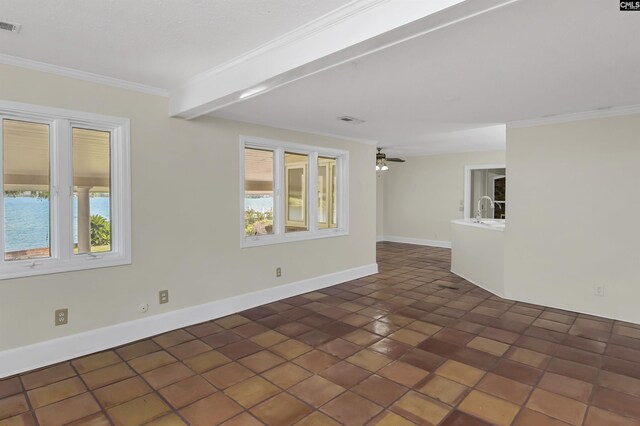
{"x":483,"y":63}
{"x":157,"y":43}
{"x":449,"y":90}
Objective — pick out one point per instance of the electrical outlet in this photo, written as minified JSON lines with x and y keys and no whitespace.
{"x":62,"y":316}
{"x":278,"y":272}
{"x":164,"y":296}
{"x":599,"y":290}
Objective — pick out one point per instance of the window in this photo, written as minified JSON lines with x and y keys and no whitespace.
{"x":485,"y":180}
{"x":327,"y":180}
{"x":27,"y":212}
{"x":295,"y":171}
{"x":66,"y":183}
{"x":291,"y":192}
{"x":92,"y":190}
{"x":258,"y":192}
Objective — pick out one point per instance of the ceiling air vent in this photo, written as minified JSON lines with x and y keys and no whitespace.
{"x":8,"y":26}
{"x":351,"y":120}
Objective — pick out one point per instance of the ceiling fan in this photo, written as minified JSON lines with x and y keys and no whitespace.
{"x":381,"y":160}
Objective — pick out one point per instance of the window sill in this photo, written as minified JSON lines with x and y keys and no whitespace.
{"x":265,"y":240}
{"x":32,"y":267}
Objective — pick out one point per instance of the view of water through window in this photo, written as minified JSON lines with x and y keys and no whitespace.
{"x":262,"y":204}
{"x":27,"y":220}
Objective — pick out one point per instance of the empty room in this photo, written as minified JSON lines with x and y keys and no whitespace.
{"x":320,"y":212}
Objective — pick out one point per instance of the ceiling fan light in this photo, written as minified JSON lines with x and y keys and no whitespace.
{"x":384,"y":167}
{"x":377,"y":167}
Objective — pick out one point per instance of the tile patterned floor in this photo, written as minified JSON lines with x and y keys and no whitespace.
{"x":413,"y":344}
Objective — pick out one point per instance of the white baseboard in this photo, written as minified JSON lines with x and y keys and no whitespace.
{"x":26,"y":358}
{"x":418,"y":241}
{"x":545,"y":303}
{"x":477,"y":285}
{"x":379,"y":238}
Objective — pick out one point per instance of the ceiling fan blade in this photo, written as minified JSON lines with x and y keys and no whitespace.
{"x":397,"y":160}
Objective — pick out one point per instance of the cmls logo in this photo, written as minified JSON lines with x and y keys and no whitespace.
{"x":630,"y":6}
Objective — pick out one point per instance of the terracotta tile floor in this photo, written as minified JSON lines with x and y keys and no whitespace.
{"x":413,"y":344}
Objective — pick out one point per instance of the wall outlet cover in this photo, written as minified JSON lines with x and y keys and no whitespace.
{"x":62,"y":316}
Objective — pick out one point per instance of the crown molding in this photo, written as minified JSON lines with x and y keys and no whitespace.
{"x":576,"y":116}
{"x":324,"y":22}
{"x":82,"y":75}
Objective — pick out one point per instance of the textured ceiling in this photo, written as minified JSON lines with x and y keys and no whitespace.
{"x":446,"y":91}
{"x":450,"y":90}
{"x":158,"y":43}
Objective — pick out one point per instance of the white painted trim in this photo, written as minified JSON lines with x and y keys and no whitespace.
{"x":535,"y":301}
{"x":417,"y":241}
{"x":467,"y":183}
{"x":266,"y":240}
{"x":82,"y":75}
{"x":26,"y":358}
{"x":476,"y":284}
{"x":584,"y":115}
{"x":544,"y":303}
{"x":317,"y":46}
{"x":379,"y":238}
{"x":290,"y":146}
{"x":322,"y":23}
{"x":62,"y":258}
{"x":47,"y":113}
{"x":342,"y":197}
{"x":310,"y":193}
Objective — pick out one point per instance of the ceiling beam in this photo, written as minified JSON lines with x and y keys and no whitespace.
{"x":359,"y":28}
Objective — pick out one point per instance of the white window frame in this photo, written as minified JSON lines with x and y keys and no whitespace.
{"x":62,"y":258}
{"x":313,"y":152}
{"x":468,"y":208}
{"x":328,"y":188}
{"x":305,"y":203}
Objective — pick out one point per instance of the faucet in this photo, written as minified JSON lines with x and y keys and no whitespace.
{"x":479,"y":211}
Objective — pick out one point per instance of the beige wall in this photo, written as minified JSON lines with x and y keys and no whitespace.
{"x":423,"y":195}
{"x":573,"y":216}
{"x":379,"y":205}
{"x":185,"y":218}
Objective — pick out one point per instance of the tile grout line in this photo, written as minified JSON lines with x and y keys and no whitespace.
{"x":26,"y":397}
{"x":90,"y":391}
{"x":386,"y":295}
